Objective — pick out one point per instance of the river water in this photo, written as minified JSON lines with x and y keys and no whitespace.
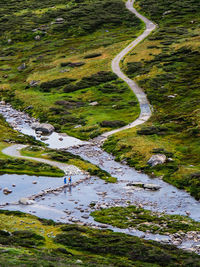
{"x":73,"y":203}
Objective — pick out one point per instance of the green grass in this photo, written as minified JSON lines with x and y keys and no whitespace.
{"x":145,"y":220}
{"x":102,"y":27}
{"x":166,"y":66}
{"x":45,"y":243}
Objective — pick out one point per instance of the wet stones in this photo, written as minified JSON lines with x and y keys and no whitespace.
{"x":44,"y":138}
{"x":7,"y":191}
{"x":25,"y":201}
{"x":85,"y":216}
{"x":152,"y":187}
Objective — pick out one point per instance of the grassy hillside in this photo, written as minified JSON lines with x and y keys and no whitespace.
{"x":166,"y":66}
{"x":28,"y":241}
{"x":56,"y":58}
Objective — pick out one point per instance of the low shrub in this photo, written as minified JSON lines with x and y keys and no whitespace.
{"x":93,"y":80}
{"x":93,"y":55}
{"x":112,"y":123}
{"x":72,"y":64}
{"x":46,"y":86}
{"x":21,"y":238}
{"x":152,"y":130}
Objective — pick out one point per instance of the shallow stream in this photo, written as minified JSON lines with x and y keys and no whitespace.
{"x":72,"y":204}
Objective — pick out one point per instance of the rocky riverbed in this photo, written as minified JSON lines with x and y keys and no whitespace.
{"x":73,"y":204}
{"x":22,"y":122}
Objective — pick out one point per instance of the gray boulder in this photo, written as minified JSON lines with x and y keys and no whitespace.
{"x":45,"y":128}
{"x":157,"y":159}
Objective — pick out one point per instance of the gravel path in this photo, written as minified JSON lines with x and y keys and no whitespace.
{"x":145,"y":111}
{"x":13,"y":151}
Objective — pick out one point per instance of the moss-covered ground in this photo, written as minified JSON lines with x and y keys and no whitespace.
{"x":67,"y":63}
{"x":28,"y":241}
{"x":145,"y":220}
{"x":166,"y":66}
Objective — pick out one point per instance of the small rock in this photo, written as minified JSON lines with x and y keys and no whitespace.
{"x":25,"y":201}
{"x":85,"y":216}
{"x":37,"y":37}
{"x":95,"y":103}
{"x":44,"y":138}
{"x":59,"y":20}
{"x":33,"y":83}
{"x":152,"y":186}
{"x":22,"y":67}
{"x":77,"y":126}
{"x":7,"y":191}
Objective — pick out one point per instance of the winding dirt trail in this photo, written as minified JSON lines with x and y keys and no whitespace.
{"x":14,"y":151}
{"x":145,"y":110}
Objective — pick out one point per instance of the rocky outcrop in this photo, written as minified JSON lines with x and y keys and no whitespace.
{"x":157,"y":159}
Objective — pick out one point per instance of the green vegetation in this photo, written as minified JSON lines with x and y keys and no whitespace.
{"x":21,"y":166}
{"x":45,"y":243}
{"x":69,"y":158}
{"x":145,"y":220}
{"x":60,"y":52}
{"x":166,"y":66}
